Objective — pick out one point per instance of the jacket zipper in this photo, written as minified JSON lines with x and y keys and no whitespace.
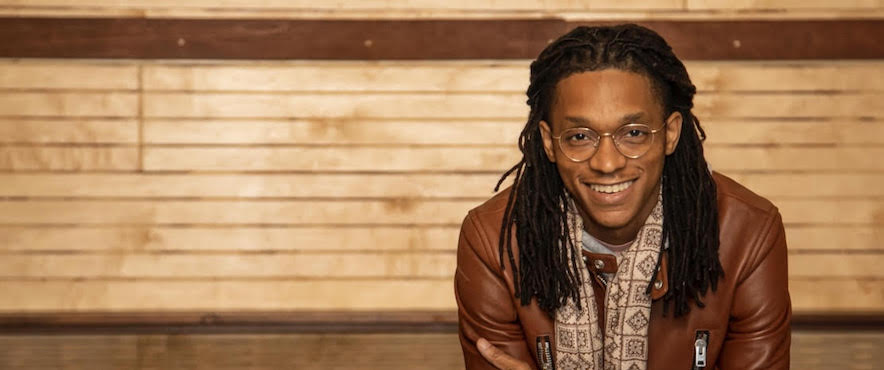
{"x":544,"y":353}
{"x":701,"y":343}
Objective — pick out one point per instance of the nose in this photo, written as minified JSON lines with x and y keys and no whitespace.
{"x":607,"y":159}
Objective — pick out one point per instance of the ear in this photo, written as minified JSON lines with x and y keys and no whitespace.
{"x":673,"y":131}
{"x":546,"y":133}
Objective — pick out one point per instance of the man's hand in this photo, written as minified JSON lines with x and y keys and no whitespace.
{"x":499,"y":358}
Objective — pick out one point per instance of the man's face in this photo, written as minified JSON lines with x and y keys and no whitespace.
{"x":604,"y":101}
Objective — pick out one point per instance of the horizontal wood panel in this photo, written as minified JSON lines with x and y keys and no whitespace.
{"x":857,"y":266}
{"x":472,"y":105}
{"x":80,"y":131}
{"x":311,"y":212}
{"x":781,"y":4}
{"x":810,"y":238}
{"x":358,"y":4}
{"x":332,"y":131}
{"x":24,"y":296}
{"x":473,"y":132}
{"x":362,"y":39}
{"x":832,"y":212}
{"x":349,"y":265}
{"x":828,"y":296}
{"x":343,"y":158}
{"x":302,"y":212}
{"x":348,"y":158}
{"x":808,"y":295}
{"x":158,"y":239}
{"x":497,"y":76}
{"x":25,"y":74}
{"x":254,"y":186}
{"x":479,"y":186}
{"x":281,"y":266}
{"x":68,"y":158}
{"x":363,"y":105}
{"x":68,"y":104}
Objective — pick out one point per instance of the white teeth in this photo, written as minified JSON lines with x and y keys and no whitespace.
{"x":616,"y":188}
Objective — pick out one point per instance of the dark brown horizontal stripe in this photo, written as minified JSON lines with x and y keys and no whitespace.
{"x":415,"y":39}
{"x":316,"y":322}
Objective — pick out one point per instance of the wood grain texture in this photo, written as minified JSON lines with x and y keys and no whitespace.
{"x":404,"y":39}
{"x":74,"y":158}
{"x":67,"y":131}
{"x":230,"y":295}
{"x":68,"y":104}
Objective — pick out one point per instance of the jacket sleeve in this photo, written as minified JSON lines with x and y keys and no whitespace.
{"x":485,"y":305}
{"x":759,"y":332}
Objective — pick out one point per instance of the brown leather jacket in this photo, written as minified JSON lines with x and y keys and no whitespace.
{"x":748,"y":317}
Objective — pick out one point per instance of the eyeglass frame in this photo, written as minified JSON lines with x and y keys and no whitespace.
{"x":653,"y":133}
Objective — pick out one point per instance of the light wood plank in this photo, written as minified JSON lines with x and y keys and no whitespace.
{"x":732,"y":159}
{"x":67,"y":75}
{"x":250,"y":186}
{"x":156,"y":239}
{"x":782,"y":4}
{"x":68,"y":158}
{"x":68,"y":104}
{"x":827,"y":295}
{"x":346,"y":76}
{"x":82,"y":131}
{"x":301,"y":212}
{"x":347,"y":158}
{"x":360,"y":4}
{"x":319,"y":131}
{"x":479,"y":106}
{"x":24,"y":296}
{"x":838,"y":185}
{"x":486,"y":76}
{"x":855,"y":266}
{"x":289,"y":266}
{"x":786,"y":76}
{"x":473,"y":132}
{"x":330,"y":159}
{"x":831,"y":212}
{"x":731,"y":105}
{"x":361,"y":105}
{"x":312,"y":212}
{"x":410,"y":185}
{"x":835,"y":238}
{"x":793,"y":132}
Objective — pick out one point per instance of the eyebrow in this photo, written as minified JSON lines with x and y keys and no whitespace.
{"x":627,"y":119}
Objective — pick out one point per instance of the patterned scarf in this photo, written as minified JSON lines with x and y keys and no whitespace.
{"x":579,"y":343}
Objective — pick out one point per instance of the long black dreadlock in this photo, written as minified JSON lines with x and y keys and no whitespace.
{"x":690,"y":221}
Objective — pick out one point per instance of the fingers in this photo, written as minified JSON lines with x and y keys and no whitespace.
{"x":499,"y":358}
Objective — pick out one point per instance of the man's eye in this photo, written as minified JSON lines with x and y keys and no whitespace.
{"x":636,"y":133}
{"x":578,"y":138}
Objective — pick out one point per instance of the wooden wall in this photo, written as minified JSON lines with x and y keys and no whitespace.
{"x":202,"y":185}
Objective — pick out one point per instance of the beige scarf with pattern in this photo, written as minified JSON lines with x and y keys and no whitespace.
{"x":580,"y":344}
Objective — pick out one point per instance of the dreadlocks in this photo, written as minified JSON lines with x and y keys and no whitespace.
{"x":690,"y":221}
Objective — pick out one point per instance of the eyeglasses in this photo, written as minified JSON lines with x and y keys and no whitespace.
{"x":633,"y":141}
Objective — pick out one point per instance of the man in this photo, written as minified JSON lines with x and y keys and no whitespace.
{"x":617,"y":247}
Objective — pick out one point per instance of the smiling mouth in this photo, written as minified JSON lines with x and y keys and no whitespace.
{"x":613,"y":188}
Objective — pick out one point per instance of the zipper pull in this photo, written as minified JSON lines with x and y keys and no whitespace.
{"x":700,"y":344}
